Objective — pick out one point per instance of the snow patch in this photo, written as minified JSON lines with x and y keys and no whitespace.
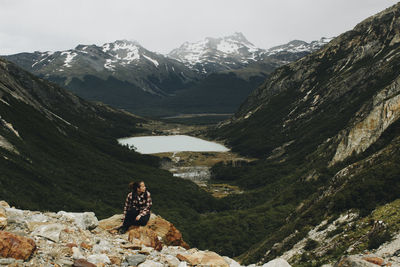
{"x":7,"y":145}
{"x":10,"y":127}
{"x":108,"y":64}
{"x":106,"y":48}
{"x":228,"y":47}
{"x":130,"y":49}
{"x":155,"y":62}
{"x":70,"y":56}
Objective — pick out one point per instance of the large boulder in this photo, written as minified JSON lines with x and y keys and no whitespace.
{"x":204,"y":258}
{"x":14,"y":246}
{"x":167,"y":231}
{"x":50,"y":231}
{"x":84,"y":220}
{"x":145,"y":237}
{"x":112,"y":222}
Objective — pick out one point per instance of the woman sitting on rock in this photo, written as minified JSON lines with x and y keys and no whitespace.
{"x":137,"y":206}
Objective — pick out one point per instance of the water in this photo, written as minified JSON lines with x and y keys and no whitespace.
{"x":171,"y":143}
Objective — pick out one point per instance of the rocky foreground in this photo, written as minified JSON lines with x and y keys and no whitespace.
{"x":32,"y":238}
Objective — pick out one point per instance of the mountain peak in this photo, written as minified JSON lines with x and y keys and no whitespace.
{"x":238,"y":36}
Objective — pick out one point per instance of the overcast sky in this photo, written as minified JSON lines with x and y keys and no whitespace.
{"x":162,"y":25}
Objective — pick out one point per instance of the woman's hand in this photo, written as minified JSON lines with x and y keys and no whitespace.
{"x":138,"y":217}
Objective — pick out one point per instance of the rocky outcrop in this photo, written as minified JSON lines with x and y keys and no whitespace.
{"x":360,"y":261}
{"x":61,"y":239}
{"x":15,"y":246}
{"x":373,"y":122}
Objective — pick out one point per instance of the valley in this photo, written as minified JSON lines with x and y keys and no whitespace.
{"x":312,"y":175}
{"x":191,"y":165}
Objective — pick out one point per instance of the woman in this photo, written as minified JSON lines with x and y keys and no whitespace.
{"x":137,"y":206}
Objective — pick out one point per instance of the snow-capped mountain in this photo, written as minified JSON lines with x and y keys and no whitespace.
{"x":123,"y":60}
{"x":217,"y":54}
{"x":295,"y":49}
{"x":235,"y":51}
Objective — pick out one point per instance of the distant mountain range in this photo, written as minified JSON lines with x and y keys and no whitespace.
{"x":126,"y":75}
{"x":235,"y":51}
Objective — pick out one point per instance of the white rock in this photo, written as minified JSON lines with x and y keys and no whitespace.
{"x":4,"y":204}
{"x":102,"y":247}
{"x":173,"y":250}
{"x":231,"y":262}
{"x":3,"y":218}
{"x":38,"y":217}
{"x":15,"y":213}
{"x":84,"y":220}
{"x":170,"y":260}
{"x":49,"y":231}
{"x":182,"y":264}
{"x":277,"y":263}
{"x":98,"y":259}
{"x":77,"y":254}
{"x":150,"y":263}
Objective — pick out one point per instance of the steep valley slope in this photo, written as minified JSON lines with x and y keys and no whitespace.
{"x":326,"y":132}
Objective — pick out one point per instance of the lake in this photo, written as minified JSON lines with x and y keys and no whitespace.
{"x":171,"y":143}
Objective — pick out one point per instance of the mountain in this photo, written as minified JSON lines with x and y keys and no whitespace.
{"x":60,"y":152}
{"x":125,"y":75}
{"x":235,"y":52}
{"x":326,"y":132}
{"x":126,"y":61}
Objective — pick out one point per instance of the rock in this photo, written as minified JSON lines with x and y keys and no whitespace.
{"x":136,"y":245}
{"x":83,"y":263}
{"x":4,"y":204}
{"x":64,"y":262}
{"x":171,"y":250}
{"x":86,"y":246}
{"x":84,"y":220}
{"x":146,"y":250}
{"x":135,"y":260}
{"x":277,"y":263}
{"x":77,"y":254}
{"x":170,"y":260}
{"x":374,"y":260}
{"x":50,"y":231}
{"x":17,"y":247}
{"x":115,"y":260}
{"x":112,"y":222}
{"x":167,"y":231}
{"x":204,"y":258}
{"x":353,"y":261}
{"x":231,"y":262}
{"x":150,"y":263}
{"x":102,"y":247}
{"x":8,"y":261}
{"x":146,"y":237}
{"x":98,"y":259}
{"x":15,"y":217}
{"x":3,"y":218}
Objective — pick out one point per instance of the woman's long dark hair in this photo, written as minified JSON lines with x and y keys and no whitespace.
{"x":134,"y":186}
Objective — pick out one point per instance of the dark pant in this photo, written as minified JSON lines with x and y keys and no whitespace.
{"x":130,"y":219}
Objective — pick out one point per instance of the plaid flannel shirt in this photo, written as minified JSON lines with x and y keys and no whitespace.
{"x":139,"y":203}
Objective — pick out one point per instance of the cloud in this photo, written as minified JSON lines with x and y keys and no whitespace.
{"x":162,"y":25}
